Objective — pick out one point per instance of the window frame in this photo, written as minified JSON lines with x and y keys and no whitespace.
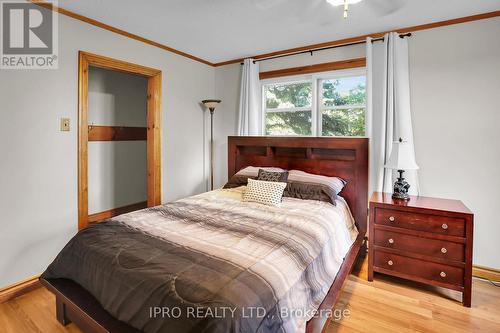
{"x":316,"y":100}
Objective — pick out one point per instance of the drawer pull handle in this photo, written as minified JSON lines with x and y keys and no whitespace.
{"x":391,"y":241}
{"x":390,"y":263}
{"x":443,"y":274}
{"x":444,"y":250}
{"x":444,"y":226}
{"x":392,"y":218}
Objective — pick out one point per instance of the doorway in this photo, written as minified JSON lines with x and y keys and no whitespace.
{"x":115,"y":135}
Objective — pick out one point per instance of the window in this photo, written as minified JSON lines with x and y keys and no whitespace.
{"x":322,"y":105}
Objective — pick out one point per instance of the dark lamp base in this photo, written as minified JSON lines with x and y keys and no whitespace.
{"x":401,"y":188}
{"x":401,"y":196}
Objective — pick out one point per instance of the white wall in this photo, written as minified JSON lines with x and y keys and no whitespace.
{"x":116,"y":98}
{"x":455,"y":80}
{"x":227,"y":88}
{"x":38,"y":163}
{"x":117,"y":170}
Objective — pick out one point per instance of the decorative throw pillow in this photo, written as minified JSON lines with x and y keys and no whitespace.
{"x":335,"y":183}
{"x":310,"y":191}
{"x":240,"y":178}
{"x":272,"y":176}
{"x":267,"y":193}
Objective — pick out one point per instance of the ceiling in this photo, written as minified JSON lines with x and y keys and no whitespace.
{"x":220,"y":30}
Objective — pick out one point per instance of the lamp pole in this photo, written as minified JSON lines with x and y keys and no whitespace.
{"x":211,"y":104}
{"x":211,"y":148}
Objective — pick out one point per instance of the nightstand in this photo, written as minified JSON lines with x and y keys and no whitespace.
{"x":427,"y":240}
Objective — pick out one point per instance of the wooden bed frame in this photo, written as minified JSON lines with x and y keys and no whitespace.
{"x":342,"y":157}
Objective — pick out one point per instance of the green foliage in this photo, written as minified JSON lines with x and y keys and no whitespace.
{"x":289,"y":95}
{"x":288,"y":123}
{"x":335,"y":122}
{"x":333,"y":97}
{"x":343,"y":122}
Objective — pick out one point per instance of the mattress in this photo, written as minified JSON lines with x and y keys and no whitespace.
{"x":212,"y":263}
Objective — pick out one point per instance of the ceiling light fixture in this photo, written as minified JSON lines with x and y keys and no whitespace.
{"x":345,"y":3}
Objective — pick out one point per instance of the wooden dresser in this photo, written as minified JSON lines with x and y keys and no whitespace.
{"x":427,"y":240}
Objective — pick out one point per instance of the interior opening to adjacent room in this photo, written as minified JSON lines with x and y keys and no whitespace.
{"x":117,"y":175}
{"x":91,"y":64}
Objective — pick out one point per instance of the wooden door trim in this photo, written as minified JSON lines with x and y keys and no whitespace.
{"x":154,"y":77}
{"x":83,"y":90}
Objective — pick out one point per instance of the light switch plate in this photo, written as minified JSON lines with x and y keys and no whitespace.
{"x":64,"y":124}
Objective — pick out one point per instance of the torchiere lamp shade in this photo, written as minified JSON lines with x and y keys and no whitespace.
{"x":211,"y":103}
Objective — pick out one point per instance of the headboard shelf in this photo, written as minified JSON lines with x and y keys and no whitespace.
{"x":334,"y":154}
{"x":342,"y":157}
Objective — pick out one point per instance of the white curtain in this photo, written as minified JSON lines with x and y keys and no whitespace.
{"x":249,"y":119}
{"x":388,"y":108}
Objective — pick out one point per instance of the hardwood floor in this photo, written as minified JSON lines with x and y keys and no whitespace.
{"x":385,"y":305}
{"x":389,"y":304}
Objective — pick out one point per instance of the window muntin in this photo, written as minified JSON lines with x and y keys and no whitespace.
{"x":323,"y":105}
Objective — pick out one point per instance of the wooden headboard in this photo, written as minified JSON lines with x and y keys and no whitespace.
{"x":343,"y":157}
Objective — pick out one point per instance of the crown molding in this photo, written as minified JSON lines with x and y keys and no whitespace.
{"x":108,"y":27}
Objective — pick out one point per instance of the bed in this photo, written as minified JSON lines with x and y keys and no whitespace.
{"x":219,"y":253}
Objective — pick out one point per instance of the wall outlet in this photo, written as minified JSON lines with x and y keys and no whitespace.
{"x":64,"y":124}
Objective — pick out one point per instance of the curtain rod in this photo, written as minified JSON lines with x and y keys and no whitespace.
{"x":325,"y":48}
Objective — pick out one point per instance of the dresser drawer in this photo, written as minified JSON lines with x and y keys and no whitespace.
{"x":426,"y":246}
{"x":423,"y":222}
{"x":419,"y":268}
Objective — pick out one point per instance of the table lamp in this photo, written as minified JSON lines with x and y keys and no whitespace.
{"x":402,"y":158}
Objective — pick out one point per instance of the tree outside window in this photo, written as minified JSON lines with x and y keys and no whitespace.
{"x":288,"y":108}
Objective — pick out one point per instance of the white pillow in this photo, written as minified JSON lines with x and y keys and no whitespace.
{"x":267,"y":193}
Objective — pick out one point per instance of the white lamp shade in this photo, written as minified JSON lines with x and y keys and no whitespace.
{"x":402,"y":157}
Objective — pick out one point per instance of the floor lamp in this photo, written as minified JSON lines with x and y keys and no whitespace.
{"x":211,"y":104}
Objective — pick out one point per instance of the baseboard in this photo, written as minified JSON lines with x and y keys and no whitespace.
{"x":486,"y":273}
{"x":19,"y":288}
